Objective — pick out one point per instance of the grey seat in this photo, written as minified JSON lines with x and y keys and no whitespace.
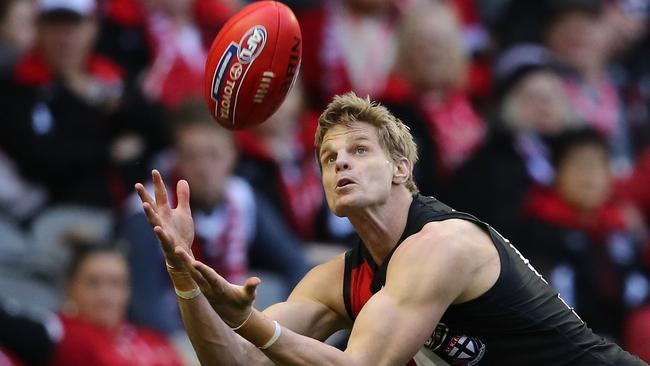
{"x":14,"y":244}
{"x":53,"y":230}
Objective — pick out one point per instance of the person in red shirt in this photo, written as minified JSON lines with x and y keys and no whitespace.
{"x":581,"y":238}
{"x":70,"y":121}
{"x":349,"y":45}
{"x":95,"y":329}
{"x":430,"y":93}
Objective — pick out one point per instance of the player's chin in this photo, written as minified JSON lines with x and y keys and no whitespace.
{"x":345,"y":204}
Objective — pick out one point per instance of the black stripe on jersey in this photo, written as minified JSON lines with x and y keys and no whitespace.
{"x":350,"y":262}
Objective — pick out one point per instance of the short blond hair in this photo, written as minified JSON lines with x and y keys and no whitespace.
{"x":394,"y":136}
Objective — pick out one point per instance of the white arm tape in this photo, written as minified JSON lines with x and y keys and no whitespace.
{"x":276,"y":335}
{"x":188,"y":295}
{"x":244,"y":322}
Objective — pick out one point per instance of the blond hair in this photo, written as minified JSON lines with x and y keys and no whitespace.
{"x":394,"y":136}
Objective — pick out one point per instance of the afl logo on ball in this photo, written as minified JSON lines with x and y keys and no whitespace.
{"x":251,"y":44}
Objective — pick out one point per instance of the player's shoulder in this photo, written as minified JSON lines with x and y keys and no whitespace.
{"x":448,"y":240}
{"x":450,"y":234}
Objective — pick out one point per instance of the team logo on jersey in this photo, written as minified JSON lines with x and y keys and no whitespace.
{"x":456,"y":349}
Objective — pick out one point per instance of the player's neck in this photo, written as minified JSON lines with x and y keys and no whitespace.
{"x":382,"y":226}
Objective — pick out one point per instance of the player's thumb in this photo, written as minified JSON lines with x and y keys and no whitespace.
{"x":250,"y":286}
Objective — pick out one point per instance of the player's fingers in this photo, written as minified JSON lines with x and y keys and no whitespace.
{"x":161,"y":191}
{"x":216,"y":282}
{"x":152,"y":215}
{"x":144,"y":195}
{"x":164,"y":239}
{"x":183,"y":194}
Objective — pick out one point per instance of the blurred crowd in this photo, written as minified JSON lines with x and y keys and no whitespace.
{"x":533,"y":116}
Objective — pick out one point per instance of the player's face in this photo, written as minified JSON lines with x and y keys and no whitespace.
{"x":357,"y":172}
{"x":100,"y":289}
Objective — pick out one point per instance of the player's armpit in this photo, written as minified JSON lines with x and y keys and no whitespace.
{"x":315,"y":307}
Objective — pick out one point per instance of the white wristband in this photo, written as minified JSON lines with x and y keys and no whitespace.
{"x":244,"y":322}
{"x":276,"y":335}
{"x":188,"y":295}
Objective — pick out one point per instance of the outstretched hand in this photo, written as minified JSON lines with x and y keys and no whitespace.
{"x":174,"y":227}
{"x":233,"y":303}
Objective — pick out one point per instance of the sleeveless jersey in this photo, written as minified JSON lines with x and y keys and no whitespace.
{"x":520,"y":320}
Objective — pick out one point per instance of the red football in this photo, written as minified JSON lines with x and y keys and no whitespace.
{"x":252,"y":64}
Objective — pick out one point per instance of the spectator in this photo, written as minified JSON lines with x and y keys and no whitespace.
{"x":580,"y":239}
{"x":348,"y":45}
{"x":277,"y":159}
{"x":95,"y":330}
{"x":433,"y":63}
{"x":577,"y":34}
{"x":55,"y":129}
{"x":123,"y":38}
{"x":17,"y":32}
{"x":626,"y":22}
{"x":532,"y":109}
{"x":628,"y":42}
{"x":70,"y":124}
{"x":179,"y":49}
{"x":232,"y":224}
{"x":27,"y":337}
{"x":129,"y":37}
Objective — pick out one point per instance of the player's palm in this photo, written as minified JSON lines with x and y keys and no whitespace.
{"x":179,"y":227}
{"x":174,"y":227}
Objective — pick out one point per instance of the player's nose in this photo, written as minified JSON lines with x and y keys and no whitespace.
{"x":342,"y":162}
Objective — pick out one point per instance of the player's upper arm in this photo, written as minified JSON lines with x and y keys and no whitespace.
{"x":426,"y":274}
{"x":315,"y":307}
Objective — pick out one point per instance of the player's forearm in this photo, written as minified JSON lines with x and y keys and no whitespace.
{"x":293,"y":349}
{"x":290,"y":348}
{"x":213,"y":341}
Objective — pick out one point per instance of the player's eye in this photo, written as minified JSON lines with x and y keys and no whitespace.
{"x":361,"y":150}
{"x":330,"y":159}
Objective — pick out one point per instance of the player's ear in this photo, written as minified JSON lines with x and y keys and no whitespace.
{"x":402,"y":170}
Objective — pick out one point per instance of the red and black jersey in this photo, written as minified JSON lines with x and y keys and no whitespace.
{"x":521,"y":320}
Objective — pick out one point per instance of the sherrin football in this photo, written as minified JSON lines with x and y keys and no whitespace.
{"x":252,"y":64}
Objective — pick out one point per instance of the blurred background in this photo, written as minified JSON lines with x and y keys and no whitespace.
{"x":531,"y":115}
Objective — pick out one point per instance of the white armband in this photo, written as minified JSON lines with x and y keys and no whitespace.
{"x":188,"y":295}
{"x":276,"y":335}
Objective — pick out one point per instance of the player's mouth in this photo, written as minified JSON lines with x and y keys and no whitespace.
{"x":344,"y":183}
